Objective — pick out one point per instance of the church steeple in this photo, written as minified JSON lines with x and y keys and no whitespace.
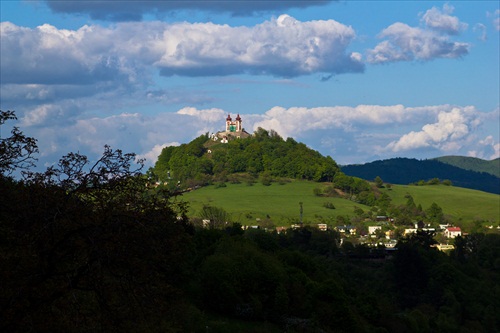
{"x":238,"y":123}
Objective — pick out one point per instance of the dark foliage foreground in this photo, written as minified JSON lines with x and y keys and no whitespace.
{"x":97,"y":260}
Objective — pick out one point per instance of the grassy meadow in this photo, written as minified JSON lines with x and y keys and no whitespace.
{"x":464,"y":206}
{"x":280,"y":202}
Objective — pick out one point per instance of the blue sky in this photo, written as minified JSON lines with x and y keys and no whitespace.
{"x":356,"y":80}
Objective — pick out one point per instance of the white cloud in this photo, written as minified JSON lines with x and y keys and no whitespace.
{"x":131,"y":132}
{"x":440,"y":20}
{"x":128,"y":53}
{"x":491,"y":148}
{"x":348,"y":134}
{"x":283,"y":47}
{"x":213,"y":115}
{"x":47,"y":55}
{"x":405,"y":43}
{"x":410,"y":43}
{"x":480,"y":29}
{"x":447,"y":134}
{"x":496,"y":19}
{"x":368,"y":132}
{"x":295,"y":120}
{"x":152,"y":156}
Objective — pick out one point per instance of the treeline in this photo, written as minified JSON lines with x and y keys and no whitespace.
{"x":406,"y":171}
{"x":264,"y":153}
{"x":473,"y":163}
{"x":87,"y":247}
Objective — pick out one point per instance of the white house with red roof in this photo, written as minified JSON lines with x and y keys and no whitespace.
{"x":452,"y":232}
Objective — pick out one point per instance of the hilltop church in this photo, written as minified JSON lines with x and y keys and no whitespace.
{"x":234,"y":130}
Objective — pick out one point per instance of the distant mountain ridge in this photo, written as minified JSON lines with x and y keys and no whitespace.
{"x":473,"y":163}
{"x":406,"y":171}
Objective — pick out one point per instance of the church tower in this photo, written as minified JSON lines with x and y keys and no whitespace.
{"x":238,"y":123}
{"x":228,"y":123}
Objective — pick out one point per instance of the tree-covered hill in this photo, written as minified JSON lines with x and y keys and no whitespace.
{"x":473,"y":164}
{"x":265,"y":153}
{"x":406,"y":171}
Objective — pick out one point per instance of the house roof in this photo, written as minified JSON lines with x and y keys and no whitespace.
{"x":451,"y":229}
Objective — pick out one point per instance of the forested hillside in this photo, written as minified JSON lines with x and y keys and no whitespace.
{"x":265,"y":152}
{"x":406,"y":171}
{"x":473,"y":164}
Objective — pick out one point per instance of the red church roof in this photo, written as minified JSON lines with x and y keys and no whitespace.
{"x":228,"y":117}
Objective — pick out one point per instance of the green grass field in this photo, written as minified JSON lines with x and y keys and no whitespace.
{"x":462,"y":205}
{"x":281,"y":202}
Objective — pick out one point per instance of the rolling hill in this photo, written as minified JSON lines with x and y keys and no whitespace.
{"x":280,"y":203}
{"x":473,"y":164}
{"x":406,"y":171}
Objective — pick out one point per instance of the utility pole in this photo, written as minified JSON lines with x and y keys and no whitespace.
{"x":301,"y":212}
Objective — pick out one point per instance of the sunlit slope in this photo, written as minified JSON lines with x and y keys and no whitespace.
{"x":462,"y":205}
{"x":280,"y":203}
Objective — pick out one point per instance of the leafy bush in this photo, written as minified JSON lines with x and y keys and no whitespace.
{"x":328,"y":205}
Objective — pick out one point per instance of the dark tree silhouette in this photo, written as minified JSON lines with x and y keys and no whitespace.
{"x":16,"y":150}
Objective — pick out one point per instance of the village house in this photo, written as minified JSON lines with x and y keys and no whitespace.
{"x":410,"y":231}
{"x":322,"y":226}
{"x":452,"y":232}
{"x":444,"y":247}
{"x":346,"y":229}
{"x":279,"y":230}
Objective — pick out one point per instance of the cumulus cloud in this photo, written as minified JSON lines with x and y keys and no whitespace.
{"x":410,"y":43}
{"x":117,"y":10}
{"x":405,"y":43}
{"x":131,"y":132}
{"x":295,"y":120}
{"x":489,"y":149}
{"x":283,"y":47}
{"x":366,"y":132}
{"x":445,"y":134}
{"x":128,"y":53}
{"x":348,"y":134}
{"x":441,"y":20}
{"x":151,"y":156}
{"x":208,"y":115}
{"x":55,"y":56}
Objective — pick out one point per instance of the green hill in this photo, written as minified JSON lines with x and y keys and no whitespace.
{"x":236,"y":176}
{"x":280,"y":203}
{"x":265,"y":152}
{"x":408,"y":170}
{"x":472,"y":163}
{"x":464,"y":206}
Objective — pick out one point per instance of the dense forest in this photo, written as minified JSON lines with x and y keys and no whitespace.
{"x":87,"y":246}
{"x":473,"y":163}
{"x":407,"y":170}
